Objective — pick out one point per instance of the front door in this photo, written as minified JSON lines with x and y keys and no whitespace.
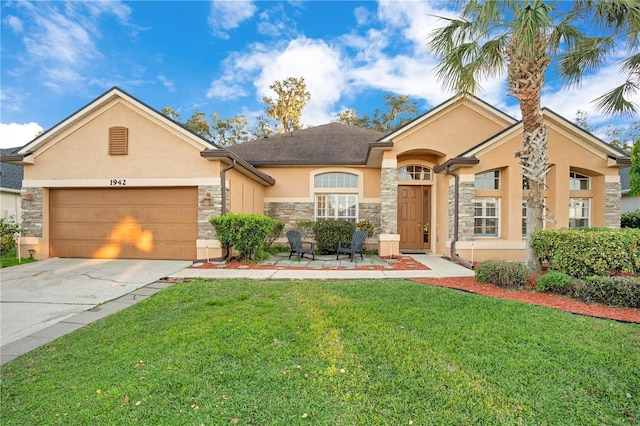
{"x":413,"y":217}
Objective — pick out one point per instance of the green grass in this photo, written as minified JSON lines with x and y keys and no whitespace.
{"x":10,"y":259}
{"x":330,"y":353}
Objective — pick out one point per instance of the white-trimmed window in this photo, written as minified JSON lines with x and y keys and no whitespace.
{"x":579,"y":212}
{"x":336,"y":180}
{"x":579,"y":182}
{"x":486,"y":220}
{"x":414,"y":172}
{"x":333,"y":200}
{"x":337,"y":206}
{"x":488,"y":180}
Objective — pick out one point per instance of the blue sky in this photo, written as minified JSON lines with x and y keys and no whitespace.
{"x":221,"y":57}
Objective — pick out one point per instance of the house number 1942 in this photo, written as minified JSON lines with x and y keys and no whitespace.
{"x":118,"y":182}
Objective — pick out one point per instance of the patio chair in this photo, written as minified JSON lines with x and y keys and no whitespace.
{"x":353,"y":247}
{"x":298,"y":246}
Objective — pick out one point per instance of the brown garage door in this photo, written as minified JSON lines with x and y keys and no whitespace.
{"x":124,"y":223}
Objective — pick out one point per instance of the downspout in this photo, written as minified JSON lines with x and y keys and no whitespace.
{"x":456,"y":214}
{"x":223,"y":209}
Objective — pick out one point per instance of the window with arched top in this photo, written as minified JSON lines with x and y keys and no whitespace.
{"x":414,"y":172}
{"x":335,"y":198}
{"x":336,"y":180}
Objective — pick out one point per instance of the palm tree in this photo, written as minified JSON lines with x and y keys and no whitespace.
{"x":523,"y":37}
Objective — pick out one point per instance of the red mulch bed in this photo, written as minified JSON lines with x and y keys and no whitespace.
{"x":402,"y":263}
{"x":537,"y":298}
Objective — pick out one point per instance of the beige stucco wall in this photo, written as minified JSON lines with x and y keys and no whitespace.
{"x":160,"y":154}
{"x":446,"y":134}
{"x":155,"y":151}
{"x":296,"y":183}
{"x":567,"y":153}
{"x":246,"y":195}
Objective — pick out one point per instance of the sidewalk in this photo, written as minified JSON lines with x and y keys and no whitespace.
{"x":327,"y":268}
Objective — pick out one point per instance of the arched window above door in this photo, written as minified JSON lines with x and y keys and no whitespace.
{"x":414,"y":172}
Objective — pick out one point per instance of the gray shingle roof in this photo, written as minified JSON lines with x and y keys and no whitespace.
{"x":330,"y":144}
{"x":10,"y":174}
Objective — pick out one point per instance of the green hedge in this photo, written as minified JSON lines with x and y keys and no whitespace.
{"x":630,"y":219}
{"x":247,"y":233}
{"x":616,"y":291}
{"x":502,"y":274}
{"x":613,"y":291}
{"x":555,"y":282}
{"x":329,"y":233}
{"x":586,"y":252}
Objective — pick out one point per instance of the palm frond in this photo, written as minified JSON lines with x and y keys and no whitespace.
{"x":616,"y":100}
{"x":586,"y":55}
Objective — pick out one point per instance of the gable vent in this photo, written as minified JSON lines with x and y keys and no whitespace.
{"x":118,"y":140}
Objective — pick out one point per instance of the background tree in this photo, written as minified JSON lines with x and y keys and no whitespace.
{"x":230,"y":131}
{"x":523,"y":37}
{"x":171,"y":113}
{"x":634,"y":173}
{"x":286,"y":108}
{"x":264,"y":127}
{"x":621,"y":138}
{"x":199,"y":125}
{"x":400,"y":109}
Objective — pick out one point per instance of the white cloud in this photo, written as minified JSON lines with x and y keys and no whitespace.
{"x":166,"y":83}
{"x":14,"y":23}
{"x":226,"y":15}
{"x":320,"y":66}
{"x":60,"y":38}
{"x":15,"y":134}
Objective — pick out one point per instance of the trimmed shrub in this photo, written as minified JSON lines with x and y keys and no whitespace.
{"x":366,"y":226}
{"x":555,"y":282}
{"x":8,"y":230}
{"x":616,"y":291}
{"x":246,"y":233}
{"x":585,"y":252}
{"x":630,"y":219}
{"x":278,"y":227}
{"x":502,"y":274}
{"x":330,"y":232}
{"x":305,"y":227}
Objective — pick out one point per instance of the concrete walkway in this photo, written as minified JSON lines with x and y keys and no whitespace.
{"x":64,"y":324}
{"x":438,"y":268}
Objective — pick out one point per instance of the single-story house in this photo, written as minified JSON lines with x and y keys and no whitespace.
{"x":10,"y":187}
{"x":118,"y":179}
{"x":630,"y":202}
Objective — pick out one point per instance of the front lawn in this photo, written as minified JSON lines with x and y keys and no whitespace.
{"x":327,"y":353}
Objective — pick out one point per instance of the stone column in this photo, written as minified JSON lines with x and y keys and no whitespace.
{"x":612,"y":204}
{"x":209,"y":205}
{"x":389,"y":200}
{"x":32,"y":216}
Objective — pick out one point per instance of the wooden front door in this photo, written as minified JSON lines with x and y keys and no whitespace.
{"x":413,"y":217}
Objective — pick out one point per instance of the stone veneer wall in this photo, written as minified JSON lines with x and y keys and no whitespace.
{"x":291,"y":213}
{"x":209,"y":205}
{"x":612,"y":204}
{"x":465,"y":211}
{"x":31,"y":212}
{"x":388,"y":200}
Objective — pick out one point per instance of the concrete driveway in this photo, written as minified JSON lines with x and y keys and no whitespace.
{"x":37,"y":295}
